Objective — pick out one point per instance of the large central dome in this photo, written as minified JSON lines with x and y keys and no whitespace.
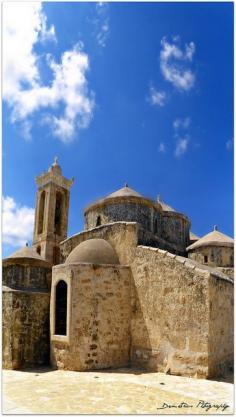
{"x":126,"y":191}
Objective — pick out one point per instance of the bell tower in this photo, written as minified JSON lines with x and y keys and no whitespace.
{"x":51,"y":214}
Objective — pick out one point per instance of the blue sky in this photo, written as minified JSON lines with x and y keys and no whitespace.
{"x":120,"y":92}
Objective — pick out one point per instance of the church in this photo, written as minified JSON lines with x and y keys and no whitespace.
{"x":135,"y":288}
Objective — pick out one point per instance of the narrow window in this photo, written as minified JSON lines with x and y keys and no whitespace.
{"x":205,"y":259}
{"x":38,"y":250}
{"x":155,"y":226}
{"x":98,"y":223}
{"x":61,"y":308}
{"x":41,"y":212}
{"x":58,"y":213}
{"x":56,"y":255}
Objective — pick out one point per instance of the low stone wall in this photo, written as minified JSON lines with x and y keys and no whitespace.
{"x":171,"y":313}
{"x":221,"y":328}
{"x":99,"y":313}
{"x":25,"y":319}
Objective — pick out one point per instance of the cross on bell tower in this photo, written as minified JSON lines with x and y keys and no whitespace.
{"x":51,"y":214}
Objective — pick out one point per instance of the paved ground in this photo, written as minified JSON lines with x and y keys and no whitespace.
{"x":124,"y":391}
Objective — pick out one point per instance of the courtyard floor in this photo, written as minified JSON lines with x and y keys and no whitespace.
{"x":123,"y":391}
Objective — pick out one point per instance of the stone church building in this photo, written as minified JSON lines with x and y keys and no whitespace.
{"x":135,"y":288}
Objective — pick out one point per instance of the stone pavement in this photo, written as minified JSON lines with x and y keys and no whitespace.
{"x":123,"y":391}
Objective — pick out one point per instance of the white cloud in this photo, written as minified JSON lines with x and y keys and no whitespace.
{"x":18,"y":223}
{"x":161,"y":148}
{"x":181,"y":123}
{"x":102,"y":23}
{"x":229,"y":145}
{"x":174,"y":63}
{"x":181,"y":146}
{"x":24,"y":25}
{"x":157,"y":98}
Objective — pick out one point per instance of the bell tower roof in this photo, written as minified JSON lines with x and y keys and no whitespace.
{"x":54,"y":174}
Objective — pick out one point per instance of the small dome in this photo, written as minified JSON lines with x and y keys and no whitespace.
{"x":94,"y":251}
{"x":214,"y":238}
{"x":25,"y":253}
{"x":164,"y":206}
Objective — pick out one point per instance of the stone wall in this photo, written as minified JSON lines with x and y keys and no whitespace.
{"x":175,"y":229}
{"x":25,"y":318}
{"x":148,"y":216}
{"x":122,"y":236}
{"x":221,"y":328}
{"x":222,"y":256}
{"x":99,"y":311}
{"x":25,"y":314}
{"x":171,"y":313}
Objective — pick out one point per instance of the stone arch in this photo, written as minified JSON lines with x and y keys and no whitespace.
{"x":61,"y":308}
{"x":41,"y":212}
{"x":58,"y":213}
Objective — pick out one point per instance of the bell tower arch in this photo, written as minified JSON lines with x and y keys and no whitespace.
{"x":51,"y":214}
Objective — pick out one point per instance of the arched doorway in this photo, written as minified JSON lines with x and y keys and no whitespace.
{"x":61,"y":308}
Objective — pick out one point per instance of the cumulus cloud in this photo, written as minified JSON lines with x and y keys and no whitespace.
{"x":102,"y":23}
{"x":18,"y":222}
{"x":161,"y":148}
{"x":157,"y":98}
{"x":181,"y":146}
{"x":175,"y":63}
{"x":181,"y":123}
{"x":24,"y":25}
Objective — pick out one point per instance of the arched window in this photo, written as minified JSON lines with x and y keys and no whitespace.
{"x":38,"y":250}
{"x":58,"y":213}
{"x":61,"y":308}
{"x":41,"y":212}
{"x":98,"y":223}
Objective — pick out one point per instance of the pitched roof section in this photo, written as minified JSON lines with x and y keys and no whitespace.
{"x":126,"y":191}
{"x":214,"y":238}
{"x":164,"y":206}
{"x":192,"y":236}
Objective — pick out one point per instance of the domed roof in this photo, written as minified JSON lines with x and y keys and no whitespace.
{"x":94,"y":251}
{"x":26,"y":253}
{"x":192,"y":236}
{"x":214,"y":238}
{"x":164,"y":206}
{"x":125,"y":191}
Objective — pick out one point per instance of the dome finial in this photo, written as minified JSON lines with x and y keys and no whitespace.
{"x":55,"y":160}
{"x":159,"y":198}
{"x":27,"y":244}
{"x":215,"y":227}
{"x":126,"y":184}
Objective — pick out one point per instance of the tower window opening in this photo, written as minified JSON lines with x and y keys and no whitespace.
{"x":58,"y":213}
{"x":41,"y":212}
{"x":61,"y":308}
{"x":38,"y":250}
{"x":98,"y":223}
{"x":56,"y":255}
{"x":205,"y":259}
